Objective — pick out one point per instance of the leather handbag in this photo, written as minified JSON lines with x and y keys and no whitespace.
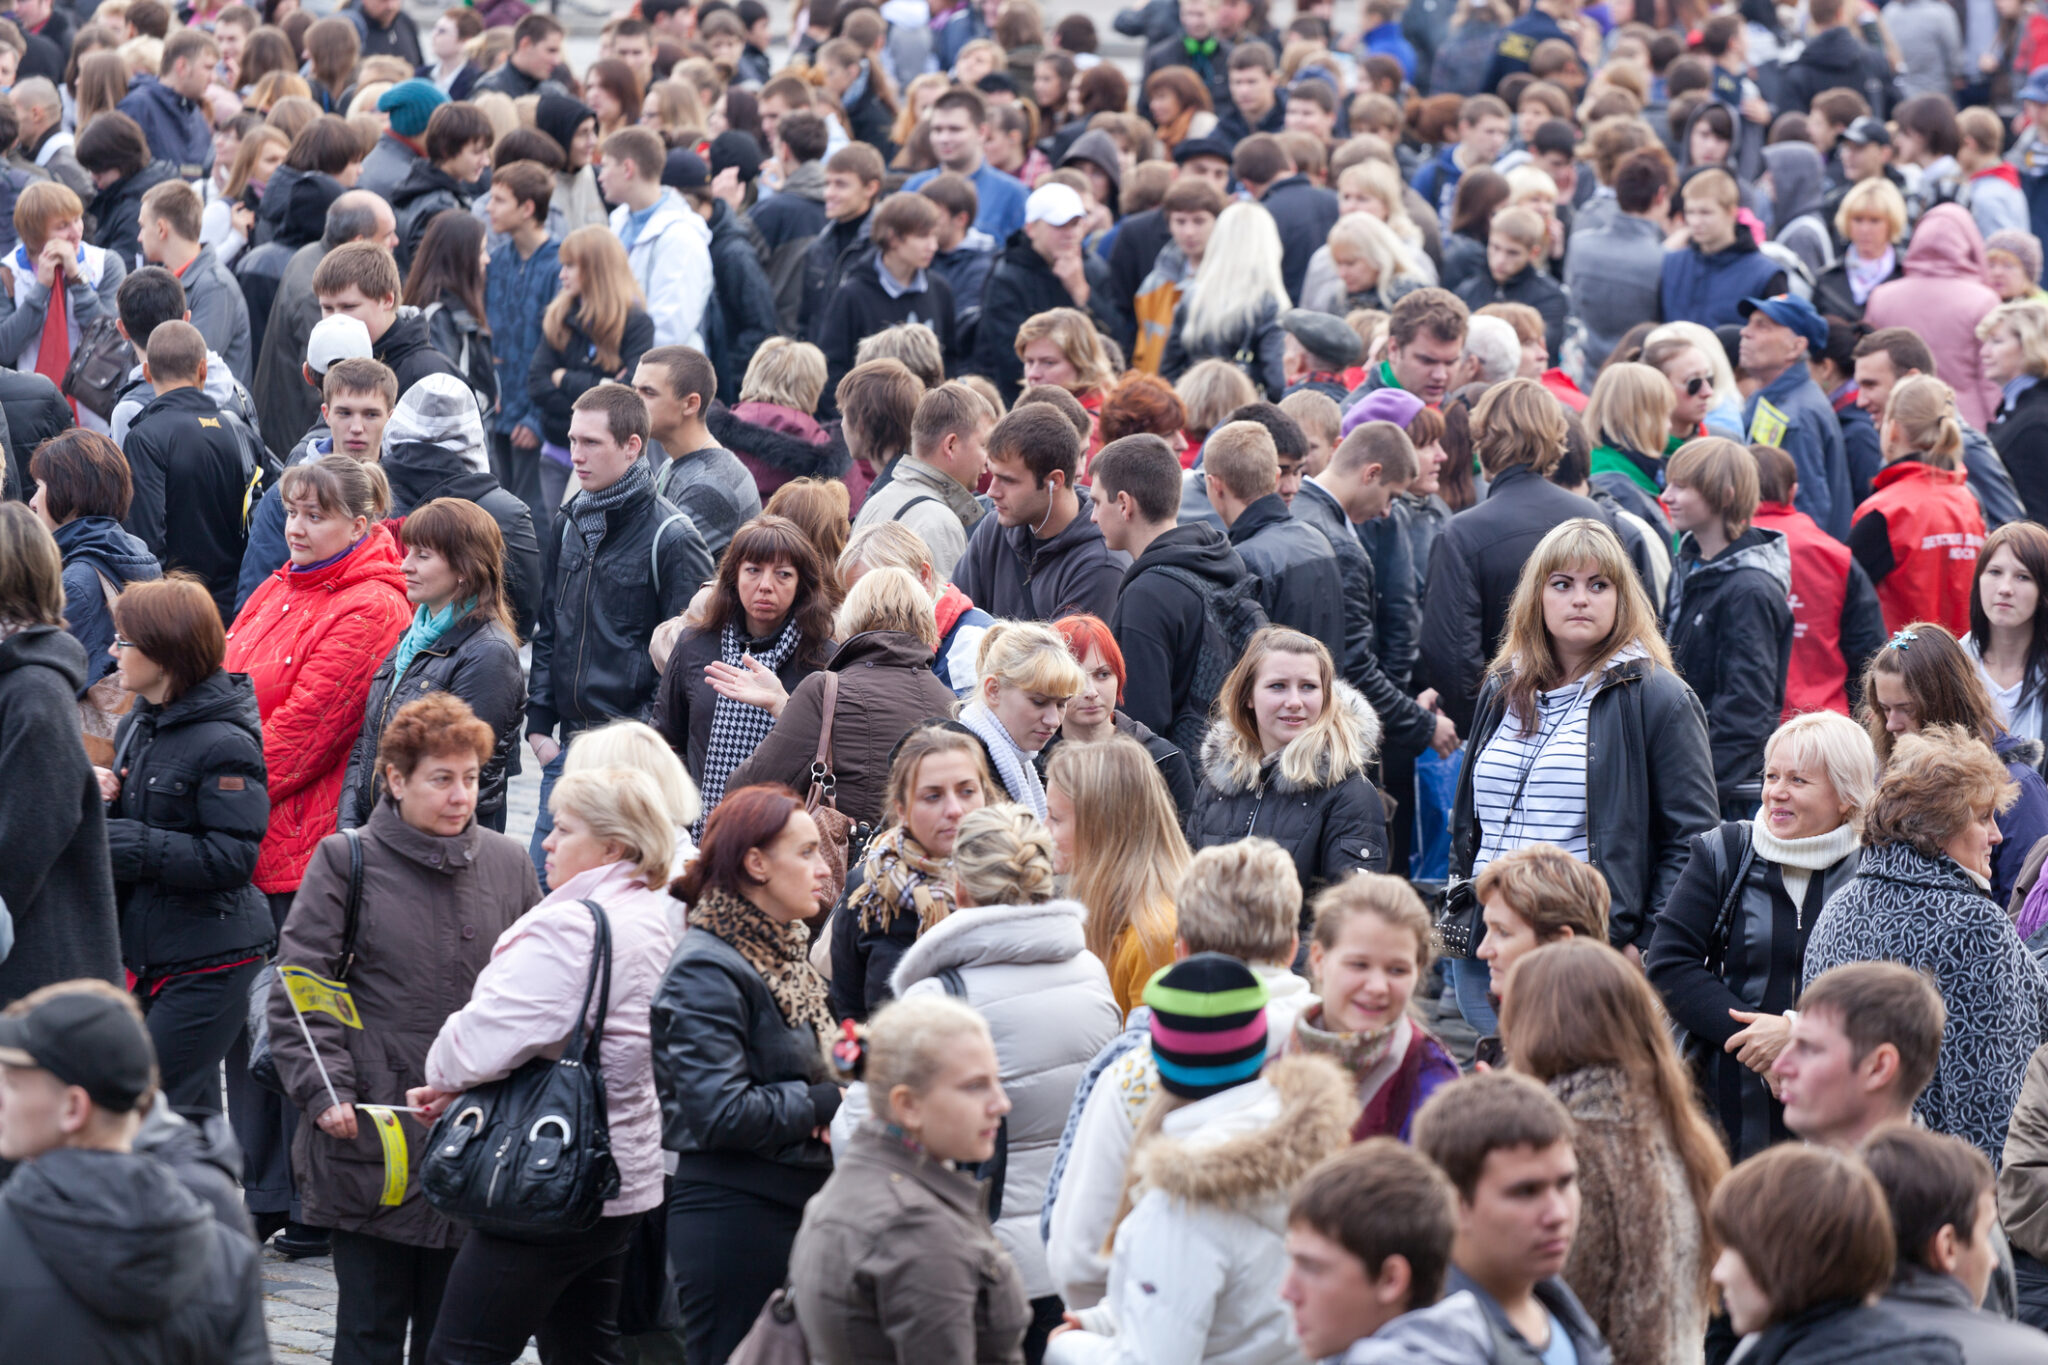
{"x":263,"y":1062}
{"x":529,"y":1157}
{"x":1460,"y":925}
{"x":835,"y":829}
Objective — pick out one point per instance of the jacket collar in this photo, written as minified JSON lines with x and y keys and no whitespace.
{"x":1254,"y":1142}
{"x":871,"y":1146}
{"x":445,"y":854}
{"x":1913,"y":471}
{"x":988,"y":935}
{"x":1918,"y":1285}
{"x":884,"y":647}
{"x":915,"y":473}
{"x":1263,"y":512}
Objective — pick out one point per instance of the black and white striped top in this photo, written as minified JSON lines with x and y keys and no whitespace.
{"x":1530,"y":788}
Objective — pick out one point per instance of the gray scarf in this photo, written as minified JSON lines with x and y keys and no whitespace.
{"x":590,"y":509}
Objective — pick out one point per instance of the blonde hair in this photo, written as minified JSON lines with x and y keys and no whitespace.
{"x":626,"y":805}
{"x":1239,"y":276}
{"x":1529,"y":181}
{"x":1526,"y":662}
{"x":789,"y":374}
{"x":1210,"y":391}
{"x":1874,"y":198}
{"x":907,"y":1041}
{"x":1721,"y":471}
{"x":639,"y":746}
{"x":606,"y":294}
{"x":1840,"y":747}
{"x":1378,"y":243}
{"x":1630,"y":409}
{"x":1707,"y":344}
{"x":2027,"y":318}
{"x":1243,"y":458}
{"x":1002,"y":855}
{"x":1071,"y":331}
{"x":1330,"y":734}
{"x":1241,"y":899}
{"x":1923,"y":409}
{"x":1028,"y":655}
{"x":1129,"y":854}
{"x":886,"y":545}
{"x":888,"y":599}
{"x":1391,"y":899}
{"x":1518,"y":422}
{"x":1383,"y":182}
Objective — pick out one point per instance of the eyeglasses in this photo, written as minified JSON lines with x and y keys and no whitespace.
{"x":120,"y":643}
{"x":1699,"y":384}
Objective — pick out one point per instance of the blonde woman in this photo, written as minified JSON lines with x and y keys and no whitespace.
{"x":1721,"y":414}
{"x":1286,"y":758}
{"x":1920,"y":519}
{"x":594,"y":330}
{"x":772,"y":428}
{"x":1363,"y":265}
{"x":639,"y":747}
{"x":1061,"y":347}
{"x":1872,"y":220}
{"x":1210,"y":391}
{"x":1374,"y":187}
{"x":1117,"y":840}
{"x":2014,"y":338}
{"x":1232,"y":307}
{"x":1628,"y":421}
{"x":1582,"y":669}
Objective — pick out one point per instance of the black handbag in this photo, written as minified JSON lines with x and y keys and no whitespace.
{"x":262,"y":1062}
{"x":1461,"y":924}
{"x":529,"y":1157}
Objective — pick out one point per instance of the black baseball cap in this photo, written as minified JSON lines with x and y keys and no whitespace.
{"x":1867,"y":130}
{"x":88,"y":1040}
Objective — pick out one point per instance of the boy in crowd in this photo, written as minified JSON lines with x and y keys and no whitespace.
{"x":896,"y":286}
{"x":932,"y":491}
{"x":170,"y":238}
{"x":360,"y":280}
{"x":691,"y":469}
{"x":458,"y":148}
{"x":146,"y":299}
{"x":853,"y":181}
{"x":1483,"y":123}
{"x":959,"y":129}
{"x":667,"y":245}
{"x":1040,"y":557}
{"x":166,"y":106}
{"x":524,"y":277}
{"x":1299,"y":584}
{"x":1514,"y":247}
{"x":966,"y":254}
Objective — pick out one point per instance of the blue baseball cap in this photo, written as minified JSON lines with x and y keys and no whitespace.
{"x":1789,"y":310}
{"x":2035,"y":91}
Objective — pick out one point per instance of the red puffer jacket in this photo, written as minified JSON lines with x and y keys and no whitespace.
{"x":311,"y":643}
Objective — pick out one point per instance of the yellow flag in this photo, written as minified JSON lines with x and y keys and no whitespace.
{"x":395,"y":1159}
{"x":317,"y":993}
{"x":1768,"y":426}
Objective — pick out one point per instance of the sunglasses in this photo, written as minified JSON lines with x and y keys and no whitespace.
{"x":1699,"y":384}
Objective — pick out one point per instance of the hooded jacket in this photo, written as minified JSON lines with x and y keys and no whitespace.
{"x":1021,"y":285}
{"x":293,"y":214}
{"x":777,"y":444}
{"x":191,"y":492}
{"x":201,"y":1151}
{"x":1196,"y":1270}
{"x":424,"y":191}
{"x":405,"y":349}
{"x":93,"y":546}
{"x":1837,"y":623}
{"x":310,"y":641}
{"x":1943,"y":297}
{"x":788,"y":221}
{"x":105,"y":1256}
{"x":116,"y":211}
{"x":1837,"y":58}
{"x":1027,"y":970}
{"x":1300,"y":585}
{"x":1798,"y":181}
{"x":1917,"y":536}
{"x":1705,"y":287}
{"x":26,"y":306}
{"x":1332,"y":825}
{"x":385,"y":167}
{"x":178,"y":129}
{"x":1654,"y":789}
{"x":671,"y":261}
{"x":1159,"y":623}
{"x":1510,"y":1347}
{"x":1843,"y":1332}
{"x":184,"y":832}
{"x":1013,"y":575}
{"x":825,"y":263}
{"x":1728,"y":621}
{"x":55,"y":879}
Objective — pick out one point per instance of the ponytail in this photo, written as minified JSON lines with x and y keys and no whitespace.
{"x":1924,"y":410}
{"x":339,"y":486}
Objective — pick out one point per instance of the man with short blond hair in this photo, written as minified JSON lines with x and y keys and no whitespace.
{"x":931,"y":490}
{"x":667,"y":245}
{"x":1299,"y":582}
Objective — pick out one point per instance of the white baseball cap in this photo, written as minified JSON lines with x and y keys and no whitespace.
{"x":336,"y":338}
{"x":1055,"y":204}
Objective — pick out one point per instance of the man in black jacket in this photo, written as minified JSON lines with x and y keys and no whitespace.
{"x":1198,"y":48}
{"x":1299,"y":584}
{"x":590,"y":661}
{"x":1041,"y":556}
{"x":853,"y":181}
{"x":889,"y":282}
{"x":1159,"y":621}
{"x":1303,"y":211}
{"x":360,"y":280}
{"x":1835,"y":57}
{"x":457,"y":153}
{"x":1043,"y":267}
{"x":191,"y":489}
{"x":536,"y":55}
{"x":104,"y":1253}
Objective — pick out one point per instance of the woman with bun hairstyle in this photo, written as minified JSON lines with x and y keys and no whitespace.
{"x":1919,"y":532}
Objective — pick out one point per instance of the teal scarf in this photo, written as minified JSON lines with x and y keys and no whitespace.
{"x":424,"y":632}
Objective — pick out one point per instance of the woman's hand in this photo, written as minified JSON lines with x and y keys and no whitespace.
{"x":339,"y":1121}
{"x":556,"y":378}
{"x":427,"y":1103}
{"x":110,"y":785}
{"x":753,"y":683}
{"x":544,"y":748}
{"x":1758,"y":1045}
{"x":1068,"y":1323}
{"x":243,"y":218}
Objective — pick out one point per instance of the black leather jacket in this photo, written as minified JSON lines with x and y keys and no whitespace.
{"x":599,"y":610}
{"x":1640,"y":809}
{"x":477,"y":660}
{"x":741,"y":1088}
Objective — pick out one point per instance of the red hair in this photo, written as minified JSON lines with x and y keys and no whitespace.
{"x":744,"y":820}
{"x":1082,"y":631}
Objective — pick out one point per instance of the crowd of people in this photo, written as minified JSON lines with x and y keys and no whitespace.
{"x":1376,"y":698}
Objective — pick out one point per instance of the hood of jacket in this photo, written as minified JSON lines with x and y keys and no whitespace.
{"x":1198,"y":548}
{"x":295,"y":204}
{"x":229,"y":697}
{"x":49,"y":647}
{"x":807,"y":181}
{"x":419,"y":472}
{"x":375,"y":556}
{"x":778,"y":436}
{"x":2012,"y":748}
{"x":1231,"y":767}
{"x":440,"y":410}
{"x":559,"y":116}
{"x":1076,"y":533}
{"x":423,"y":178}
{"x":172,"y":1138}
{"x":102,"y":543}
{"x":671,"y":212}
{"x":1946,"y":246}
{"x":886,"y":648}
{"x":1837,"y":51}
{"x":1099,"y":149}
{"x":1451,"y":1331}
{"x":1844,"y":1332}
{"x":1755,"y":548}
{"x":987,"y":935}
{"x":1798,"y":179}
{"x":117,"y":1230}
{"x":1255,"y":1146}
{"x":1019,"y":252}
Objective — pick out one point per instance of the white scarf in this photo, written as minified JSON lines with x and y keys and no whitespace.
{"x":1799,"y":859}
{"x":1013,"y":765}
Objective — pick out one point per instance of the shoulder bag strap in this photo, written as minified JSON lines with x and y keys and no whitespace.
{"x":654,"y":551}
{"x":600,"y":972}
{"x":1724,"y":919}
{"x":823,"y":782}
{"x":353,"y":911}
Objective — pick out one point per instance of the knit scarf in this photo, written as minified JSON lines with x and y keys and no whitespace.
{"x":779,"y":952}
{"x":590,"y":509}
{"x":425,"y":632}
{"x":1357,"y":1053}
{"x":1799,"y":859}
{"x":1019,"y":777}
{"x":737,"y":728}
{"x":900,"y":876}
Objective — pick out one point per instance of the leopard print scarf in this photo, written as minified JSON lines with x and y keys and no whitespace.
{"x":779,"y":952}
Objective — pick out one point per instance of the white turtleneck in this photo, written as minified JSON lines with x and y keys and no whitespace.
{"x":1799,"y":859}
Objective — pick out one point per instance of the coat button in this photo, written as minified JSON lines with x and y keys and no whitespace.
{"x":469,"y":931}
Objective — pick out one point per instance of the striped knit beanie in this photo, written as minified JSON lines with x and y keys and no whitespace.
{"x":1208,"y":1024}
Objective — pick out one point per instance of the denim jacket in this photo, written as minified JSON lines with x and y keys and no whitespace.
{"x":516,"y":294}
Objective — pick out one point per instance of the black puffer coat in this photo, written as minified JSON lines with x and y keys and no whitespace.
{"x":184,"y":832}
{"x":1260,"y":343}
{"x":1729,"y":623}
{"x":478,"y":661}
{"x":1646,"y":738}
{"x":1331,"y":828}
{"x":1300,"y":585}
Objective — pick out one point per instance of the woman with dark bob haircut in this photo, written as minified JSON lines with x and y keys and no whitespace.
{"x":741,"y":1023}
{"x":1806,"y":1245}
{"x":767,"y":627}
{"x":82,"y":494}
{"x":187,"y":807}
{"x":460,"y":641}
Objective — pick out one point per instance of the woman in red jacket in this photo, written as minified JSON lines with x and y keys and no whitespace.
{"x":1918,"y":533}
{"x":310,"y":639}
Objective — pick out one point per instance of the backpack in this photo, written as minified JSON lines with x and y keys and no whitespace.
{"x":1231,"y":615}
{"x":259,"y":467}
{"x":98,"y":373}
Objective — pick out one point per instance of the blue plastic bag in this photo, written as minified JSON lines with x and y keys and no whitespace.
{"x":1436,"y":788}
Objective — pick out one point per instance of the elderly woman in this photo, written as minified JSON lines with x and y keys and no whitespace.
{"x":2014,"y":338}
{"x":1731,"y":939}
{"x":1922,"y":897}
{"x":41,"y":324}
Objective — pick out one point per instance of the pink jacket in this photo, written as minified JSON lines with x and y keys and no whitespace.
{"x":524,"y":1006}
{"x":1943,"y":297}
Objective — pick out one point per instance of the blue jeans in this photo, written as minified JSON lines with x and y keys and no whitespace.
{"x":543,"y":822}
{"x":1469,"y":981}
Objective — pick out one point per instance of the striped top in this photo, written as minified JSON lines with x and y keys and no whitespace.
{"x":1531,"y":788}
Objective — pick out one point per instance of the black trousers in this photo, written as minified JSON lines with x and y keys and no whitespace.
{"x":193,"y":1021}
{"x":382,"y":1286}
{"x":730,"y":1251}
{"x":263,"y":1120}
{"x":502,"y":1293}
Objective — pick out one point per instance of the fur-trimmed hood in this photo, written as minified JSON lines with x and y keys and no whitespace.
{"x":988,"y":935}
{"x":1330,"y":756}
{"x":779,"y":448}
{"x":1254,"y":1143}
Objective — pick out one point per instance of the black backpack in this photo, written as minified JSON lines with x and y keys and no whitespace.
{"x":1231,"y":615}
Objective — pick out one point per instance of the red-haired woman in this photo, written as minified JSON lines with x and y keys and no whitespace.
{"x":740,"y":1028}
{"x":1092,"y":715}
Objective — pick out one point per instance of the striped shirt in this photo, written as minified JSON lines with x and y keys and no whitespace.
{"x":1531,"y":788}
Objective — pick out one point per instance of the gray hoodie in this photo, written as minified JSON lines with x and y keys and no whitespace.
{"x":1451,"y":1331}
